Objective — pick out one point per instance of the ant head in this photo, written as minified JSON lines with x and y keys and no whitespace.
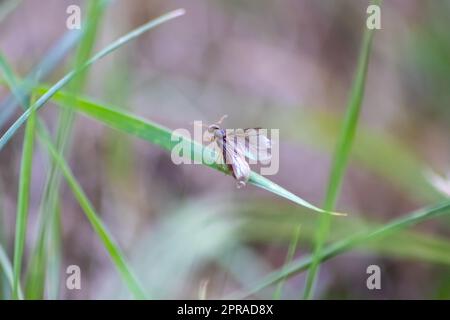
{"x":216,"y":126}
{"x":213,"y":128}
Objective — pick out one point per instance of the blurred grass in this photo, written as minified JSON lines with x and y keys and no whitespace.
{"x":427,"y":68}
{"x":69,"y":76}
{"x":117,"y":89}
{"x":341,"y":154}
{"x":48,"y":231}
{"x":24,"y":180}
{"x":375,"y":151}
{"x":189,"y":235}
{"x":7,"y":270}
{"x":348,"y":243}
{"x":101,"y":231}
{"x":290,"y":255}
{"x":48,"y":63}
{"x":23,"y":202}
{"x":261,"y":222}
{"x":112,"y":248}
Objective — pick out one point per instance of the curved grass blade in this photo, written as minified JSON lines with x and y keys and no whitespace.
{"x":163,"y":137}
{"x":270,"y":186}
{"x":264,"y":221}
{"x":48,"y":63}
{"x":342,"y":154}
{"x":62,"y":82}
{"x":99,"y":228}
{"x":349,"y":243}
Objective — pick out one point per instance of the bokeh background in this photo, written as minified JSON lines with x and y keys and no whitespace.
{"x":284,"y":64}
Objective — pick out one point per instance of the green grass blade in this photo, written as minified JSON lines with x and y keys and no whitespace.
{"x":34,"y":282}
{"x":24,"y":180}
{"x":100,"y":229}
{"x":23,"y":201}
{"x":94,"y":12}
{"x":10,"y":79}
{"x":62,"y":82}
{"x":162,"y":137}
{"x":341,"y":154}
{"x":349,"y":243}
{"x":35,"y":279}
{"x":54,"y":249}
{"x":51,"y":59}
{"x":5,"y":266}
{"x":290,"y":255}
{"x":265,"y":220}
{"x":379,"y":152}
{"x":66,"y":119}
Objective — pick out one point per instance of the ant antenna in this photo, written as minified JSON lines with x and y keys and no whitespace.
{"x":221,"y":119}
{"x":206,"y":126}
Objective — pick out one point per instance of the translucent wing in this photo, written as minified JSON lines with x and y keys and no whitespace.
{"x":235,"y":159}
{"x":218,"y":153}
{"x":252,"y":142}
{"x":232,"y":156}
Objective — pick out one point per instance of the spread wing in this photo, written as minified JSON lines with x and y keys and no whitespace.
{"x":252,"y":142}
